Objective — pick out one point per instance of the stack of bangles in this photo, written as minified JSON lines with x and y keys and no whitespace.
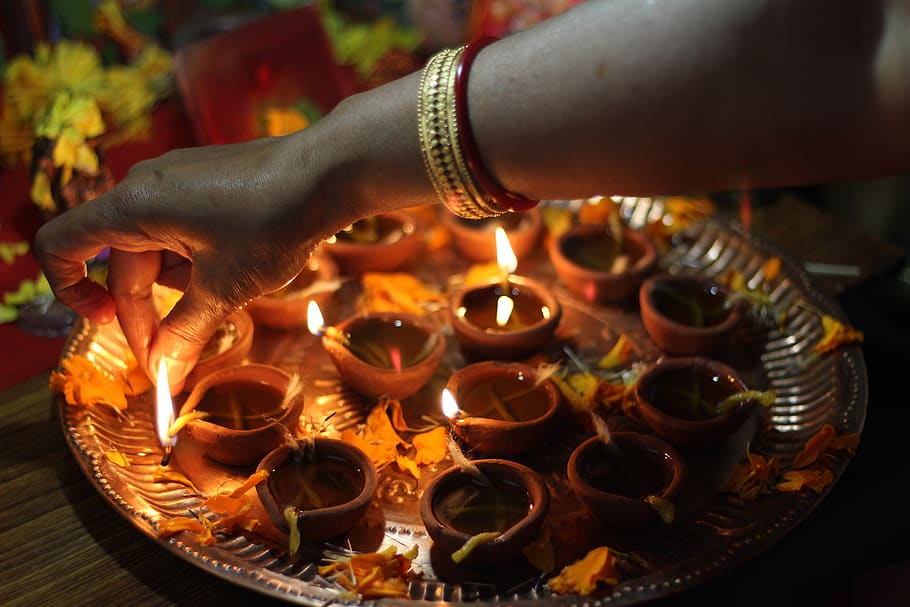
{"x":447,"y":144}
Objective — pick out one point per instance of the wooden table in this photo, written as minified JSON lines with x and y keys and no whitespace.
{"x":62,"y":543}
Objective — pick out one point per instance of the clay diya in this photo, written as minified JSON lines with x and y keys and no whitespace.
{"x":485,"y":331}
{"x":500,"y":408}
{"x":474,"y":238}
{"x":597,"y":267}
{"x":247,"y":412}
{"x":324,"y":487}
{"x":683,"y":401}
{"x":229,"y":346}
{"x":286,"y":308}
{"x":687,"y":314}
{"x":506,"y":500}
{"x":380,"y":243}
{"x":391,"y":353}
{"x":623,"y":484}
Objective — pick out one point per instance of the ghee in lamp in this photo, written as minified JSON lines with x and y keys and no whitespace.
{"x":242,"y":405}
{"x":482,"y":307}
{"x":309,"y":484}
{"x":473,"y":506}
{"x":693,"y":304}
{"x":503,"y":397}
{"x":634,"y":472}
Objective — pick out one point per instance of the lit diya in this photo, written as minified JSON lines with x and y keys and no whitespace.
{"x":499,"y":409}
{"x":286,"y":308}
{"x":601,"y":263}
{"x":238,"y":414}
{"x":688,"y":314}
{"x":505,"y":318}
{"x":628,"y":483}
{"x":391,"y":353}
{"x":475,"y":238}
{"x":317,"y":489}
{"x":380,"y":243}
{"x":695,"y":402}
{"x":485,"y":513}
{"x":229,"y":346}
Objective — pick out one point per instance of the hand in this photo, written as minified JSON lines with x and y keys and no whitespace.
{"x":224,"y":223}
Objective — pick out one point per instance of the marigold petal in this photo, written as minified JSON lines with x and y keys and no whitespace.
{"x":431,"y":446}
{"x":814,"y":447}
{"x":583,"y":576}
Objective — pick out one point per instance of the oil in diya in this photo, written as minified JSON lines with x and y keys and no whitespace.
{"x":238,"y":414}
{"x":484,"y":513}
{"x":500,"y":408}
{"x":474,"y":507}
{"x":629,"y":482}
{"x":598,"y":266}
{"x":241,"y":405}
{"x":504,"y":318}
{"x":687,"y":314}
{"x":695,"y":401}
{"x":380,"y":243}
{"x":382,"y":353}
{"x":317,"y":488}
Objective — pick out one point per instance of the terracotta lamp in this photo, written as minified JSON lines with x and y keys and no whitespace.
{"x":622,"y":484}
{"x":504,"y":318}
{"x":287,"y":307}
{"x":683,"y":401}
{"x":247,"y":411}
{"x":474,"y":238}
{"x":324,"y":487}
{"x":228,"y":347}
{"x":392,"y":353}
{"x":687,"y":314}
{"x":499,"y":409}
{"x":505,"y":501}
{"x":381,"y":243}
{"x":597,"y":266}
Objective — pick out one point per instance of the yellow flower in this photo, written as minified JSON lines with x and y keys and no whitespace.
{"x":76,"y":67}
{"x":41,"y":192}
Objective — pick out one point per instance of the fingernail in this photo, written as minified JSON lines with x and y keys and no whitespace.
{"x":177,"y":370}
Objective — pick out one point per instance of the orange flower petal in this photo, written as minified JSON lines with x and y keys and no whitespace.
{"x":795,"y":480}
{"x":583,"y":576}
{"x":836,"y":334}
{"x":431,"y":446}
{"x":814,"y":447}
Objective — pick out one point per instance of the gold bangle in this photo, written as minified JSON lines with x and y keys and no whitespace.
{"x":437,"y":130}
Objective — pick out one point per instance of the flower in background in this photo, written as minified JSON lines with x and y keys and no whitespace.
{"x":60,"y":100}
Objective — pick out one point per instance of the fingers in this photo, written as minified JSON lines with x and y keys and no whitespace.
{"x":62,"y":252}
{"x":184,"y":333}
{"x":130,"y":279}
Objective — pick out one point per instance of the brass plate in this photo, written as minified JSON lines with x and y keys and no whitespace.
{"x":718,"y":532}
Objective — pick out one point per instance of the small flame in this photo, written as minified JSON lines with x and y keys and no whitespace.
{"x":449,"y":405}
{"x":504,"y":307}
{"x":164,"y":408}
{"x":505,"y":256}
{"x":315,"y":323}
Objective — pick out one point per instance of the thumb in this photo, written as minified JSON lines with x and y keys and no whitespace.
{"x":184,"y":333}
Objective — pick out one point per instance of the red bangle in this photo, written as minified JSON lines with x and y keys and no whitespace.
{"x":490,"y":187}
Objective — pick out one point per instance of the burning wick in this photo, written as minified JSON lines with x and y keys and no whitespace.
{"x":164,"y":409}
{"x":452,"y":412}
{"x":316,"y":325}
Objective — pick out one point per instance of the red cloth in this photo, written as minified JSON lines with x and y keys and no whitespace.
{"x":23,"y":355}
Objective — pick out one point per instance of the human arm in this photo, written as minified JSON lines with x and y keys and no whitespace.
{"x":614,"y":97}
